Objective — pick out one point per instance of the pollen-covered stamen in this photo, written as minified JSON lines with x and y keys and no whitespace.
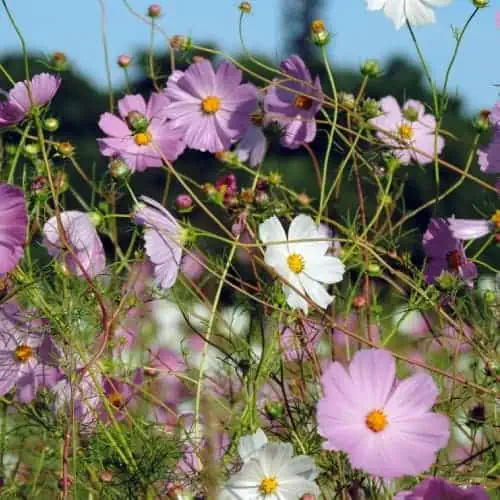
{"x":269,"y":485}
{"x":405,"y":131}
{"x":23,"y":353}
{"x":296,"y":263}
{"x":496,"y":219}
{"x":142,"y":138}
{"x":302,"y":102}
{"x":116,"y":399}
{"x":454,"y":260}
{"x":376,"y":421}
{"x":210,"y":105}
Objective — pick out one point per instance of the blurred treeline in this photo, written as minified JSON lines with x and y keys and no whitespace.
{"x":79,"y":103}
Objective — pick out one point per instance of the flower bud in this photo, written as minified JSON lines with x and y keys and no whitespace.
{"x":154,"y":10}
{"x":411,"y":114}
{"x":446,"y":281}
{"x":59,"y":61}
{"x":96,"y":218}
{"x":481,"y":122}
{"x":275,"y":178}
{"x":347,"y":100}
{"x":373,"y":269}
{"x":304,"y":199}
{"x":274,"y":410}
{"x":371,"y":108}
{"x":392,"y":163}
{"x":180,"y":42}
{"x":106,"y":476}
{"x":480,"y":4}
{"x":245,"y":7}
{"x":184,"y":203}
{"x":137,"y":121}
{"x":51,"y":124}
{"x":124,"y":61}
{"x":118,"y":168}
{"x":490,"y":296}
{"x":65,"y":149}
{"x":39,"y":186}
{"x":61,"y":182}
{"x":370,"y":68}
{"x":31,"y":149}
{"x":319,"y":33}
{"x":261,"y":197}
{"x":359,"y":302}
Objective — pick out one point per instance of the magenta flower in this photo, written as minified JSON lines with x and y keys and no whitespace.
{"x":408,"y":129}
{"x":142,"y":135}
{"x":445,"y":253}
{"x":43,"y":88}
{"x":470,"y":229}
{"x":295,"y":109}
{"x":12,"y":227}
{"x":162,"y":236}
{"x":384,"y":425}
{"x":24,"y":348}
{"x":88,"y":252}
{"x":436,"y":488}
{"x":193,"y":266}
{"x":212,"y":109}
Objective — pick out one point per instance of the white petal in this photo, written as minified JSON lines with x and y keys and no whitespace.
{"x":248,"y":445}
{"x":272,"y":230}
{"x":325,"y":269}
{"x":395,"y":11}
{"x":316,"y":291}
{"x":418,"y":13}
{"x":375,"y":4}
{"x":293,"y":299}
{"x":303,"y":228}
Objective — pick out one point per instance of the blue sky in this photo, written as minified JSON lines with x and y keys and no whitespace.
{"x":73,"y":26}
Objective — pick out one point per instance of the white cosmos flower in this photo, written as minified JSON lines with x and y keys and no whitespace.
{"x":303,"y":264}
{"x":417,"y":12}
{"x":270,"y":472}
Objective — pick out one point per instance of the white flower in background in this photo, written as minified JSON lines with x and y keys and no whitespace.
{"x":303,"y":264}
{"x":270,"y":472}
{"x":417,"y":12}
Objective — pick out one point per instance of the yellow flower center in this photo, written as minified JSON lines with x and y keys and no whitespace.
{"x":405,"y":131}
{"x":23,"y":353}
{"x":376,"y":421}
{"x":496,"y":219}
{"x":296,"y":263}
{"x":318,"y":26}
{"x":210,"y":104}
{"x":116,"y":399}
{"x":142,"y":138}
{"x":302,"y":102}
{"x":269,"y":485}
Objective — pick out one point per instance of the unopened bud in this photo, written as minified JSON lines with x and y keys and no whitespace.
{"x":137,"y":121}
{"x":411,"y":114}
{"x":319,"y":33}
{"x":274,"y":410}
{"x":124,"y":61}
{"x":359,"y":302}
{"x":184,"y":203}
{"x":480,"y":4}
{"x":31,"y":149}
{"x":39,"y":185}
{"x":245,"y":7}
{"x":59,"y":60}
{"x":106,"y":476}
{"x":65,"y":148}
{"x":373,"y":269}
{"x":51,"y":124}
{"x":61,"y":182}
{"x":371,"y":108}
{"x":275,"y":178}
{"x":118,"y":168}
{"x":370,"y":68}
{"x":304,"y":199}
{"x":96,"y":218}
{"x":481,"y":122}
{"x":154,"y":10}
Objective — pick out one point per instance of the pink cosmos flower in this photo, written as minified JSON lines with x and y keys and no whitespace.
{"x":296,"y":108}
{"x":252,"y":146}
{"x":211,"y":108}
{"x":193,"y":266}
{"x":436,"y":488}
{"x":142,"y":135}
{"x":12,"y":227}
{"x":163,"y":240}
{"x":445,"y":253}
{"x":82,"y":236}
{"x":408,"y":128}
{"x":25,"y":350}
{"x":384,"y":425}
{"x":43,"y":88}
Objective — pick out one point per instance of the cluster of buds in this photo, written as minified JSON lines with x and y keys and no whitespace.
{"x":227,"y":187}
